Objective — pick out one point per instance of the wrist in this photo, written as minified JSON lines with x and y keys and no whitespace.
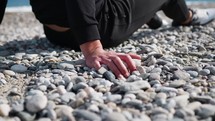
{"x":91,"y":47}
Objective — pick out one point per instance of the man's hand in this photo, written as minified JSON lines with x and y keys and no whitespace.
{"x":119,"y":63}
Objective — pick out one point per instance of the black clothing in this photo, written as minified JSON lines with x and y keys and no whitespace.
{"x":111,"y":21}
{"x":3,"y":4}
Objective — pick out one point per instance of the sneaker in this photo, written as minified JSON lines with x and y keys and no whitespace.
{"x":200,"y":17}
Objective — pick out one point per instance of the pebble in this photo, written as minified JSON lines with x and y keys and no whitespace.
{"x":9,"y":72}
{"x":154,"y":76}
{"x":36,"y":103}
{"x":86,"y":115}
{"x":19,"y":68}
{"x":177,"y":83}
{"x":115,"y":116}
{"x":134,"y":86}
{"x":66,"y":66}
{"x":181,"y":75}
{"x":204,"y":72}
{"x":4,"y":110}
{"x":206,"y":110}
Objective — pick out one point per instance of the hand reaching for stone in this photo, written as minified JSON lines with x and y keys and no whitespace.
{"x":119,"y":63}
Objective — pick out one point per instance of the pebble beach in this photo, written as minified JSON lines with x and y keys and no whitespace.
{"x":174,"y":80}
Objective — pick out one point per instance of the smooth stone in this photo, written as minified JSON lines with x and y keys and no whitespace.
{"x":109,"y":76}
{"x":78,"y":79}
{"x":52,"y":114}
{"x":79,"y":86}
{"x":68,"y":96}
{"x":212,"y":69}
{"x":61,"y":89}
{"x":44,"y":119}
{"x":166,"y":89}
{"x":3,"y":81}
{"x":171,"y":103}
{"x":156,"y":70}
{"x":193,"y":73}
{"x":144,"y":75}
{"x":181,"y":75}
{"x":132,"y":78}
{"x":141,"y":69}
{"x":69,"y":86}
{"x":17,"y":106}
{"x":184,"y":112}
{"x":181,"y":100}
{"x":9,"y":72}
{"x":159,"y":110}
{"x":191,"y":68}
{"x":134,"y":86}
{"x":154,"y":76}
{"x":81,"y":95}
{"x":202,"y":99}
{"x":25,"y":116}
{"x":204,"y":72}
{"x":66,"y":65}
{"x":206,"y":110}
{"x":177,"y":83}
{"x":19,"y":68}
{"x":87,"y":115}
{"x":194,"y":105}
{"x":36,"y":103}
{"x":93,"y":108}
{"x":42,"y":88}
{"x":65,"y":112}
{"x":4,"y":110}
{"x":137,"y":104}
{"x":102,"y":70}
{"x":114,"y":98}
{"x":115,"y":116}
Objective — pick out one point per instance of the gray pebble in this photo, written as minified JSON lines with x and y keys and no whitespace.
{"x":206,"y":110}
{"x":115,"y":116}
{"x":154,"y":76}
{"x":181,"y":75}
{"x":134,"y":86}
{"x":204,"y":72}
{"x":36,"y":103}
{"x":86,"y":115}
{"x":66,"y":66}
{"x":193,"y":73}
{"x":177,"y":83}
{"x":19,"y":68}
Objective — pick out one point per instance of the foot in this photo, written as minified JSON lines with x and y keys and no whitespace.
{"x":199,"y":17}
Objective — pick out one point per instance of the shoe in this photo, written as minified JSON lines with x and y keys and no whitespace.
{"x":200,"y":17}
{"x":155,"y":22}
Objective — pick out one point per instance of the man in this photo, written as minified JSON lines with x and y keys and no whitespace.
{"x":92,"y":25}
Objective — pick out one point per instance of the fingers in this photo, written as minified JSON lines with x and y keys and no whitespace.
{"x":97,"y":65}
{"x":120,"y":65}
{"x":128,"y":60}
{"x":134,"y":56}
{"x":112,"y":66}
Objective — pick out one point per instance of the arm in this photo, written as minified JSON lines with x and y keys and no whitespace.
{"x":3,"y":4}
{"x":81,"y":14}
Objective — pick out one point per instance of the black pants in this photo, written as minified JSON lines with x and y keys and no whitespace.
{"x":117,"y":29}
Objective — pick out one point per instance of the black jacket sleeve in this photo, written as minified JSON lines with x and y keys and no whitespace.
{"x":82,"y":19}
{"x":3,"y":4}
